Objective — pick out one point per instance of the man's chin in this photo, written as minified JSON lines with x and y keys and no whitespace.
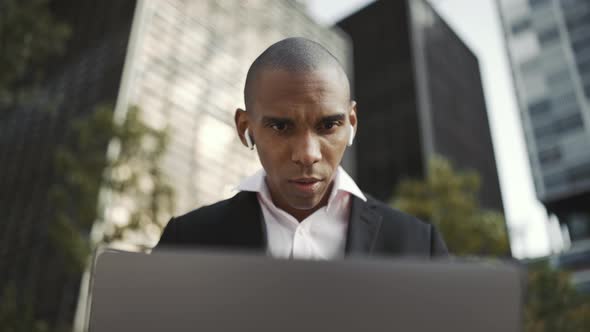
{"x":306,"y":201}
{"x":304,"y":204}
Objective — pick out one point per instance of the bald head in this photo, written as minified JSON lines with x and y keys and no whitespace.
{"x":293,"y":55}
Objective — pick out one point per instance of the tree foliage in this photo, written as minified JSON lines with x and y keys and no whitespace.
{"x":135,"y":177}
{"x":553,"y":304}
{"x":79,"y":162}
{"x":449,"y":199}
{"x":130,"y":177}
{"x":29,"y":35}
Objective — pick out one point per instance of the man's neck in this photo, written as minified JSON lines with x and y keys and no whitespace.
{"x":298,"y":214}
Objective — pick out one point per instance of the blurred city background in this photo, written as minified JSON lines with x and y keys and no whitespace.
{"x":116,"y":115}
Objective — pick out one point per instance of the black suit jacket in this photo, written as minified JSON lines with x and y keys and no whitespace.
{"x":237,"y":223}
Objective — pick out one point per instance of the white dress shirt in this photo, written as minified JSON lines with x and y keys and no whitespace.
{"x":322,"y":235}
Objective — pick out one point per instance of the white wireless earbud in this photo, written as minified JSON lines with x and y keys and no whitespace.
{"x":248,"y":139}
{"x":351,"y":137}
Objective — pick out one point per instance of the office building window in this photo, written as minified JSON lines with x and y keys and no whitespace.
{"x":550,"y":155}
{"x":569,"y":123}
{"x":579,"y":173}
{"x":564,"y":125}
{"x":540,"y":107}
{"x":584,"y":67}
{"x":531,"y":66}
{"x":565,"y":97}
{"x":548,"y":36}
{"x":554,"y":180}
{"x":544,"y":132}
{"x":559,"y":77}
{"x":578,"y":226}
{"x":577,"y":20}
{"x":538,"y":3}
{"x":521,"y":25}
{"x":581,"y":45}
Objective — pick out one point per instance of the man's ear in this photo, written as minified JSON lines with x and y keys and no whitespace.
{"x":352,"y":115}
{"x":242,"y":121}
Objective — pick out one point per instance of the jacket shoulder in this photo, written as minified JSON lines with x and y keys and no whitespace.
{"x":204,"y":225}
{"x":403,"y":232}
{"x":395,"y":217}
{"x":207,"y":213}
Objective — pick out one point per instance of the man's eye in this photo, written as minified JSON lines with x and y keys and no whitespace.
{"x":329,"y":125}
{"x":279,"y":126}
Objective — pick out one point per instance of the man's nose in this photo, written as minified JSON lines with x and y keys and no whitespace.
{"x":306,"y":150}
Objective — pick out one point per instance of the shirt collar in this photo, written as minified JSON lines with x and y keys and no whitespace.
{"x":342,"y":183}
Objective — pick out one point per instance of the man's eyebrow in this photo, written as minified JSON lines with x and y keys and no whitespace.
{"x":335,"y":117}
{"x":272,"y":119}
{"x":329,"y":118}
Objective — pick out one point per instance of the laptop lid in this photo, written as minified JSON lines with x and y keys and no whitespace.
{"x":199,"y":291}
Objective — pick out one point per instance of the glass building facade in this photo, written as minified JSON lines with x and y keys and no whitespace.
{"x":87,"y":75}
{"x":548,"y":43}
{"x":419,"y":94}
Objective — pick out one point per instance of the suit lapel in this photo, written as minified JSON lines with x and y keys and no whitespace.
{"x":362,"y":236}
{"x":248,"y":228}
{"x":363,"y":229}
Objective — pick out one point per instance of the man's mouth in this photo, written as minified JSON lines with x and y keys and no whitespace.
{"x":306,"y":185}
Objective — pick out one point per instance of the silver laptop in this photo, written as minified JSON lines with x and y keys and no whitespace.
{"x":214,"y":292}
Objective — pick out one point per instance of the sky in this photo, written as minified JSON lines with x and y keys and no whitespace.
{"x":477,"y":23}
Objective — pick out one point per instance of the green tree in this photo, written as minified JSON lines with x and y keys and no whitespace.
{"x":135,"y":176}
{"x":79,"y":163}
{"x":129,"y":173}
{"x":553,"y":304}
{"x":131,"y":176}
{"x":449,"y":199}
{"x":29,"y":35}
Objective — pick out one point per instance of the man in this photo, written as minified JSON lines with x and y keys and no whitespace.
{"x":300,"y":117}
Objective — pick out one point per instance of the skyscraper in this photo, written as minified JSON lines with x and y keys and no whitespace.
{"x":548,"y":44}
{"x":419,"y":94}
{"x":87,"y":75}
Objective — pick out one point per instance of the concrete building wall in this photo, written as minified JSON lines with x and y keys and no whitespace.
{"x":187,"y":73}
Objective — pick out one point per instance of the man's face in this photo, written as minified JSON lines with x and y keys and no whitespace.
{"x":300,"y":123}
